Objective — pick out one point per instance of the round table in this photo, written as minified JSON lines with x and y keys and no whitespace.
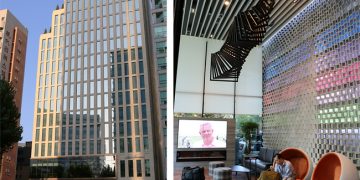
{"x":242,"y":169}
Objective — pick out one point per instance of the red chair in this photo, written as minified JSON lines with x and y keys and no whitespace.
{"x":300,"y":160}
{"x":335,"y":166}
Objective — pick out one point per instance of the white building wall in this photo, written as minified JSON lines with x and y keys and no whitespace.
{"x":219,"y":96}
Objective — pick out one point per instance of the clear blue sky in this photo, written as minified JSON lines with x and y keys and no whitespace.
{"x":36,"y":16}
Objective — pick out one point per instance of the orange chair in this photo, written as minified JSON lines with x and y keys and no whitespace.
{"x":335,"y":166}
{"x":300,"y":160}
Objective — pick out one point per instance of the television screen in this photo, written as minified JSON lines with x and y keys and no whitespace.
{"x":202,"y":134}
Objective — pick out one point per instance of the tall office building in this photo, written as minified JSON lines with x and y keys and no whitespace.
{"x":158,"y":19}
{"x":13,"y":40}
{"x":97,"y":98}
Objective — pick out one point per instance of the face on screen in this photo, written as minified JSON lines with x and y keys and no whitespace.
{"x":202,"y":134}
{"x":206,"y":130}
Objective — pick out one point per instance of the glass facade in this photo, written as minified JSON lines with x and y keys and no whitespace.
{"x":101,"y":86}
{"x":159,"y":33}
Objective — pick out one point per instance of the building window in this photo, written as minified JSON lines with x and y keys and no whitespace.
{"x":49,"y":149}
{"x":38,"y":119}
{"x":129,"y":143}
{"x":43,"y":149}
{"x":137,"y":143}
{"x":128,"y":125}
{"x":131,"y":168}
{"x":143,"y":111}
{"x":138,"y":168}
{"x":163,"y":97}
{"x":142,"y":81}
{"x":69,"y":148}
{"x":162,"y":80}
{"x":36,"y":150}
{"x":63,"y":148}
{"x":161,"y":63}
{"x":91,"y":146}
{"x":50,"y":134}
{"x":160,"y":47}
{"x":37,"y":135}
{"x":83,"y":148}
{"x":122,"y":144}
{"x":122,"y":168}
{"x":55,"y":149}
{"x":147,"y":167}
{"x":146,"y":144}
{"x":43,"y":136}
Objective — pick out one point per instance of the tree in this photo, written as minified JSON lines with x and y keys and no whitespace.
{"x":9,"y":114}
{"x":246,"y":128}
{"x":78,"y":171}
{"x":107,"y":172}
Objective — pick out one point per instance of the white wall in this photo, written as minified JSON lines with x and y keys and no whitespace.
{"x":219,"y":96}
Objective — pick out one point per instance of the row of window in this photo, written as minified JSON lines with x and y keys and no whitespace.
{"x":102,"y":60}
{"x":49,"y":135}
{"x":93,"y":88}
{"x":54,"y":52}
{"x":53,"y":119}
{"x":45,"y":68}
{"x":100,"y":146}
{"x":86,"y":5}
{"x":101,"y":73}
{"x":49,"y":92}
{"x":101,"y":22}
{"x":101,"y":46}
{"x":126,"y":167}
{"x":100,"y":34}
{"x":56,"y":19}
{"x":126,"y":67}
{"x":51,"y":43}
{"x":130,"y":112}
{"x":135,"y":111}
{"x":131,"y":167}
{"x":48,"y":106}
{"x":110,"y":129}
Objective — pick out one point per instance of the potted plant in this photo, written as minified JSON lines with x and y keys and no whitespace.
{"x":246,"y":128}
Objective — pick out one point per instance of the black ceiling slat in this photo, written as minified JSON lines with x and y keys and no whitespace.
{"x":212,"y":18}
{"x":203,"y":25}
{"x":208,"y":14}
{"x":225,"y":31}
{"x":231,"y":14}
{"x":226,"y":13}
{"x":186,"y":15}
{"x":198,"y":17}
{"x":195,"y":6}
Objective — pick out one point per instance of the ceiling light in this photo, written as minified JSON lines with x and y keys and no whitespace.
{"x":211,"y":35}
{"x":192,"y":10}
{"x":227,"y":2}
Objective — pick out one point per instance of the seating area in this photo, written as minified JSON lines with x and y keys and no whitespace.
{"x":331,"y":166}
{"x":263,"y":161}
